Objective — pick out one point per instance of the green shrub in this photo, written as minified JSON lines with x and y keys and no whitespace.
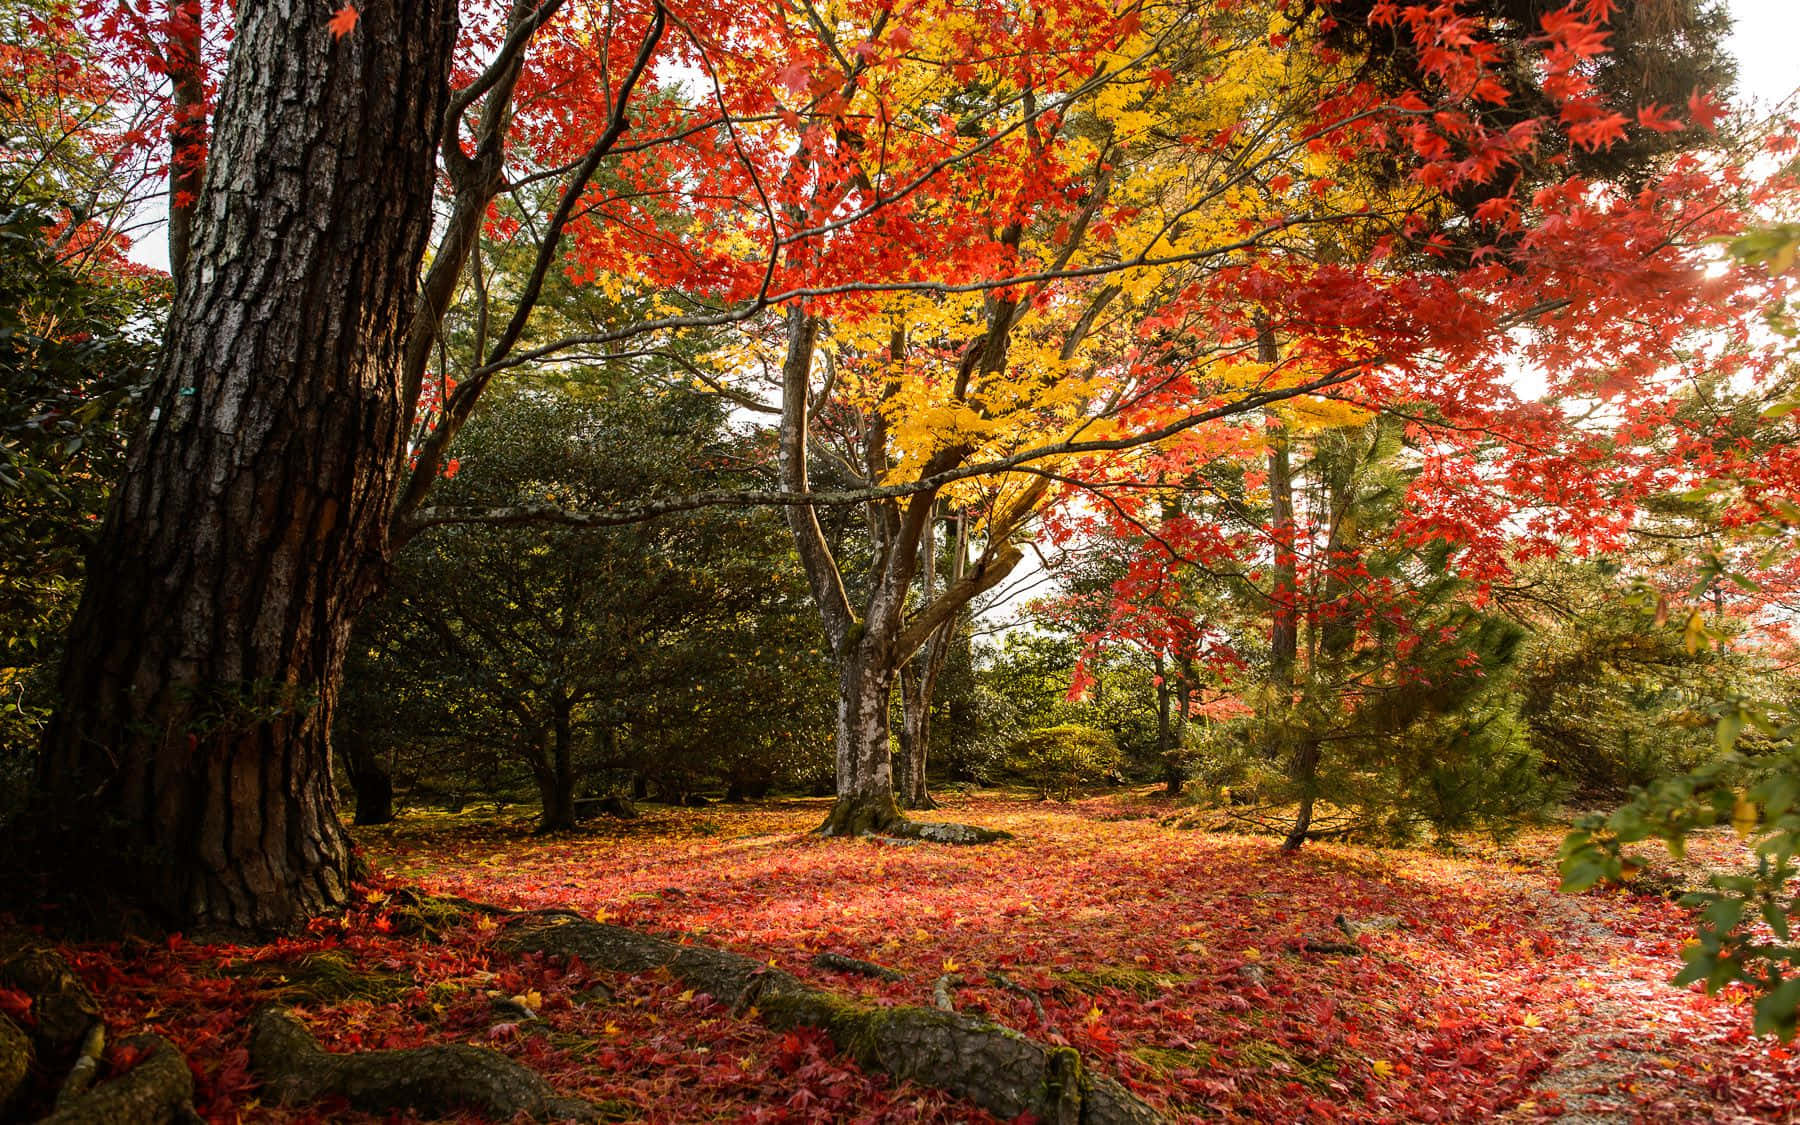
{"x":1057,"y":759}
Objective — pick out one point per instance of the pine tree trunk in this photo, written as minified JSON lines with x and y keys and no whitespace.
{"x":1306,"y":774}
{"x":189,"y":768}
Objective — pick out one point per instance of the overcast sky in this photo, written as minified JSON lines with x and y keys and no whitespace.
{"x":1767,"y":44}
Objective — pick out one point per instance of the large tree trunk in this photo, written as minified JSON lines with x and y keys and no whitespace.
{"x":189,"y":766}
{"x":865,"y":773}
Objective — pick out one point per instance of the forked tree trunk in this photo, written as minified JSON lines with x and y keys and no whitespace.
{"x":557,"y":795}
{"x":865,"y":772}
{"x":189,"y":767}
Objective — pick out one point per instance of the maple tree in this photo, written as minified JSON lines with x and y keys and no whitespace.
{"x":1745,"y":925}
{"x":1163,"y":291}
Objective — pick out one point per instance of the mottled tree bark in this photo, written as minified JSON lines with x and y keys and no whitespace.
{"x":865,"y":772}
{"x":916,"y":684}
{"x":189,"y":767}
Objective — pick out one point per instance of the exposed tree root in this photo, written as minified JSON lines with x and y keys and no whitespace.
{"x":1001,"y":980}
{"x":838,"y":963}
{"x":64,"y":1036}
{"x":868,"y":816}
{"x":63,"y":1011}
{"x":943,"y":832}
{"x":433,"y":1080}
{"x":16,"y":1057}
{"x":997,"y":1068}
{"x":158,"y":1090}
{"x":941,"y":991}
{"x":86,"y":1069}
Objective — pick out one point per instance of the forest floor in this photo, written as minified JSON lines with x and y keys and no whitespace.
{"x":1177,"y":961}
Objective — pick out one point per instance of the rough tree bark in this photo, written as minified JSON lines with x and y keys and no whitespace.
{"x":189,"y":766}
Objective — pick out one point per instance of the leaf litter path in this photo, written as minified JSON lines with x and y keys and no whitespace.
{"x":1632,"y":1058}
{"x":1180,"y":961}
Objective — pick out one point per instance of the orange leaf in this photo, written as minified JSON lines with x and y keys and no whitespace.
{"x":343,"y":22}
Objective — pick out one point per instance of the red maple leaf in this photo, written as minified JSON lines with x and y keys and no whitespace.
{"x":343,"y":22}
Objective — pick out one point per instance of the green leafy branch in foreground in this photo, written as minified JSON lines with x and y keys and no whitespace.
{"x":1746,"y":920}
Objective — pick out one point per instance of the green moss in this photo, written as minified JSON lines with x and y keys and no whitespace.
{"x":1064,"y":1080}
{"x":861,"y":817}
{"x":1316,"y":1074}
{"x":617,"y":1109}
{"x":326,"y":977}
{"x":1124,"y":978}
{"x":812,"y":1008}
{"x":1165,"y":1061}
